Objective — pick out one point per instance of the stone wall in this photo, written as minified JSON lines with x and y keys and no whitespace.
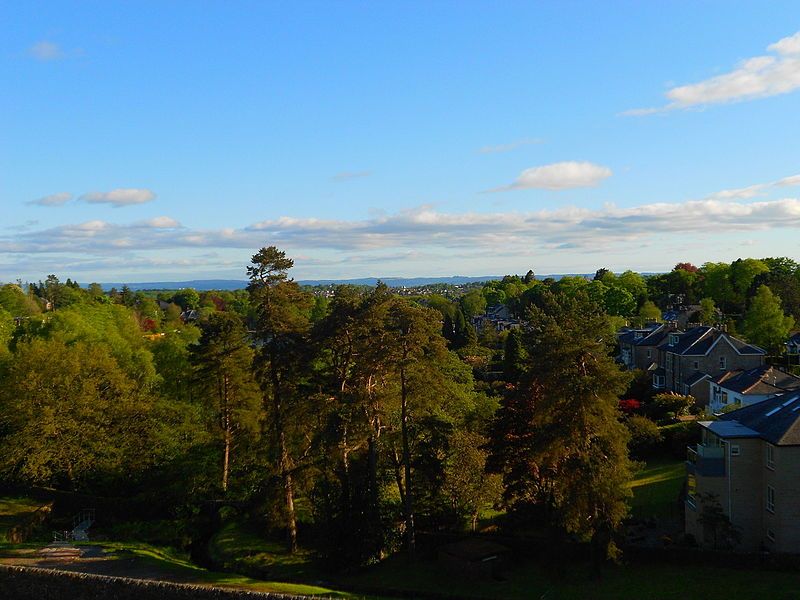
{"x":27,"y":583}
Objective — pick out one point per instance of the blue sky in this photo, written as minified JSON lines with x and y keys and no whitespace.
{"x":152,"y":140}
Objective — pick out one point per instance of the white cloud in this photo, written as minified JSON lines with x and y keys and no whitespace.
{"x":559,"y":176}
{"x":160,"y":223}
{"x":421,"y":235}
{"x":510,"y":146}
{"x":46,"y":51}
{"x":58,"y":199}
{"x":787,"y":46}
{"x":756,"y":77}
{"x":120,"y":197}
{"x":752,"y":191}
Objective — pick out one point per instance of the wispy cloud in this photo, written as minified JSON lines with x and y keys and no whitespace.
{"x":412,"y":235}
{"x":756,"y":77}
{"x":347,"y":175}
{"x":45,"y":50}
{"x":510,"y":146}
{"x":120,"y":197}
{"x":59,"y":199}
{"x":423,"y":227}
{"x":160,"y":223}
{"x":757,"y":190}
{"x":559,"y":176}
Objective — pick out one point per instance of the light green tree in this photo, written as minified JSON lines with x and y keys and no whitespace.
{"x":649,"y":312}
{"x":764,"y":323}
{"x":71,"y":414}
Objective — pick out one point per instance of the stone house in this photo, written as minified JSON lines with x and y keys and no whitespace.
{"x":745,"y":387}
{"x":749,"y":463}
{"x":639,"y":347}
{"x":688,"y":359}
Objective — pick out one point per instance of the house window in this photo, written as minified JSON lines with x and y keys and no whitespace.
{"x":771,"y":457}
{"x":658,"y":381}
{"x":649,"y":354}
{"x":770,"y":499}
{"x":724,"y":397}
{"x":691,"y":489}
{"x":723,"y":363}
{"x":735,"y":450}
{"x":696,"y":365}
{"x":673,"y":339}
{"x":770,"y":535}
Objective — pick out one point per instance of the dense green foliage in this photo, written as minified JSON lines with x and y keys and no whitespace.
{"x":348,"y":422}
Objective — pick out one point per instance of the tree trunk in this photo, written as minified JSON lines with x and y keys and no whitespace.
{"x":227,"y":461}
{"x":288,"y":491}
{"x":226,"y":425}
{"x":284,"y":464}
{"x":408,"y":501}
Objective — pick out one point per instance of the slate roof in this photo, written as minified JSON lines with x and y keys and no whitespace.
{"x":629,"y":336}
{"x":696,"y":378}
{"x":776,"y":420}
{"x":697,"y":341}
{"x":759,"y":381}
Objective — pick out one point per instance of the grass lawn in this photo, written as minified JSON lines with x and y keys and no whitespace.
{"x":171,"y":564}
{"x":656,"y":488}
{"x":13,"y":509}
{"x":237,"y":547}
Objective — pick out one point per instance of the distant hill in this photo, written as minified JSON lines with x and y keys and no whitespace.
{"x":400,"y":281}
{"x":198,"y":284}
{"x":235,"y":284}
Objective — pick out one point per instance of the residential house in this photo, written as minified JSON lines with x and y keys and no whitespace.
{"x":745,"y":387}
{"x":639,"y":347}
{"x":749,"y":462}
{"x":793,"y":344}
{"x":688,"y":359}
{"x":497,"y":317}
{"x":682,"y":315}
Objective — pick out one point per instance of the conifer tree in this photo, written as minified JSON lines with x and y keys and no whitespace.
{"x":557,"y":439}
{"x":282,"y":328}
{"x":223,"y":361}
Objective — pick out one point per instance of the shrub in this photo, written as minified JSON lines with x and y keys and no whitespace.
{"x":645,"y":437}
{"x":667,"y":407}
{"x":629,"y":406}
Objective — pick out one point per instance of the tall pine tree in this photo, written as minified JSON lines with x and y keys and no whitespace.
{"x":557,"y":439}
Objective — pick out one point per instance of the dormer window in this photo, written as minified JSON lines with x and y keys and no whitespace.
{"x":638,"y":335}
{"x":723,"y":363}
{"x":673,"y":339}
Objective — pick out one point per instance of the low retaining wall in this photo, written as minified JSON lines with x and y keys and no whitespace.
{"x":28,"y":583}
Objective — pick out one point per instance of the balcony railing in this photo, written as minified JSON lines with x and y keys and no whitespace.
{"x":706,"y":461}
{"x":710,"y":451}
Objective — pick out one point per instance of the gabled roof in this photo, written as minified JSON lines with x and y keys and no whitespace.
{"x":698,"y":341}
{"x":634,"y":336}
{"x":776,"y":420}
{"x":656,"y":336}
{"x":759,"y":381}
{"x":795,"y":339}
{"x":695,"y":378}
